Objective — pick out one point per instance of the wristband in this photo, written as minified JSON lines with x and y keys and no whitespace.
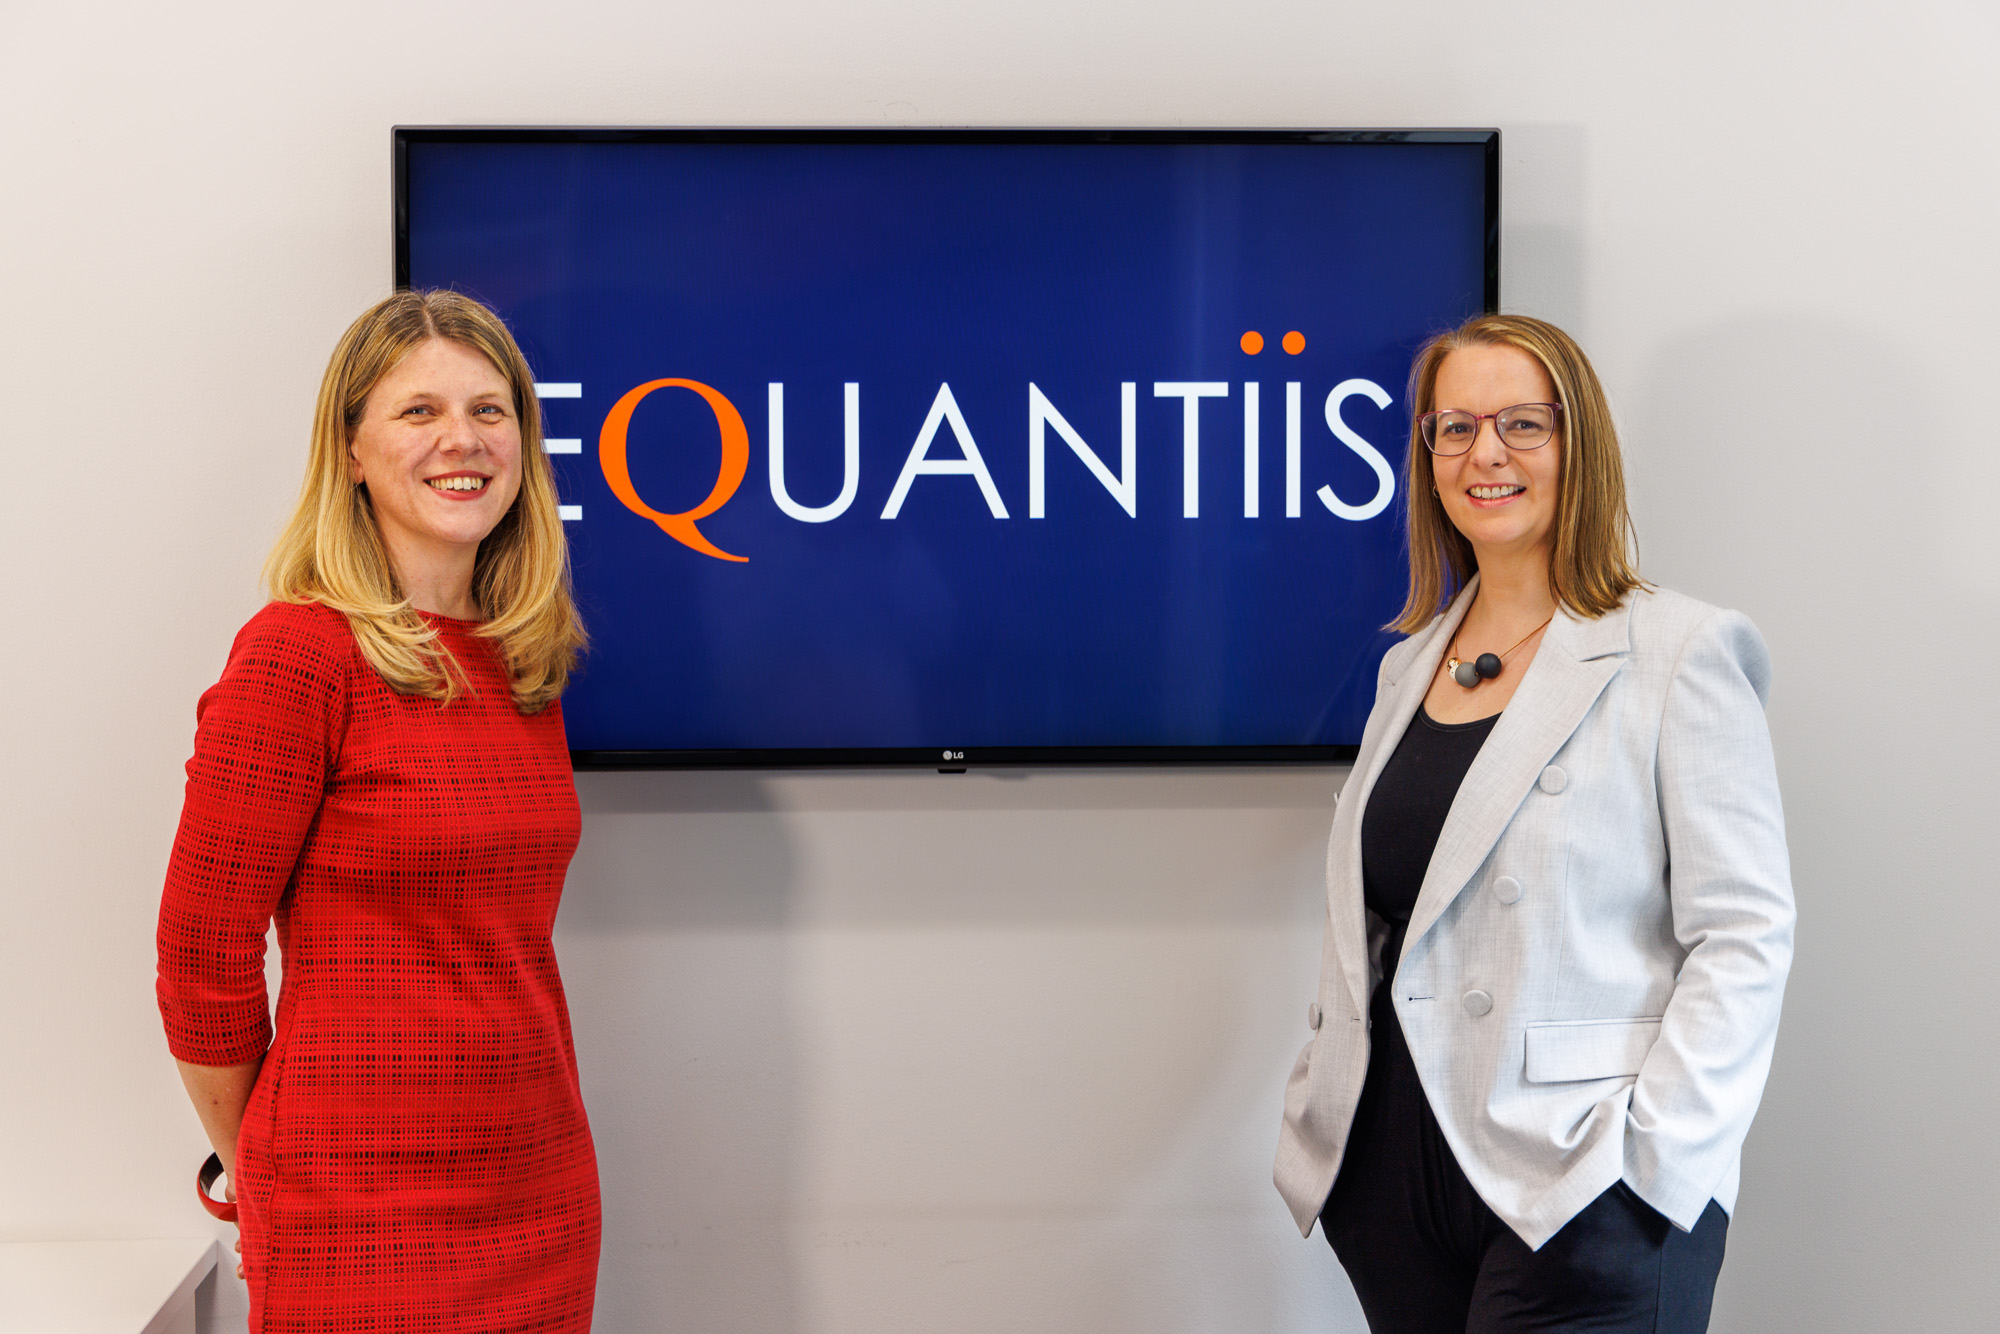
{"x":211,"y":1171}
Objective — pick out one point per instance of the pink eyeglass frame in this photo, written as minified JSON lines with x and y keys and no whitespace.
{"x":1426,"y":427}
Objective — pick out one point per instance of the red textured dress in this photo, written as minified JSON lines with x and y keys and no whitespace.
{"x":415,"y":1154}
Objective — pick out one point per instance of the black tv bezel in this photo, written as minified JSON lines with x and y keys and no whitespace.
{"x":946,"y":759}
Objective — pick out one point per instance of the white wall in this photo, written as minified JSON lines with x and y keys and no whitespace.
{"x":1000,"y":1052}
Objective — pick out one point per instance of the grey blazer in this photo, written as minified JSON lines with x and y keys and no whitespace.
{"x":1592,"y":975}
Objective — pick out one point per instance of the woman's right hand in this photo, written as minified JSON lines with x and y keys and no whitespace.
{"x":220,"y":1094}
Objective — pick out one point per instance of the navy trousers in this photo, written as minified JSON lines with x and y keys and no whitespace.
{"x":1426,"y":1256}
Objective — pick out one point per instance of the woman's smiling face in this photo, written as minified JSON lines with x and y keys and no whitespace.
{"x":1503,"y":500}
{"x":439,"y":448}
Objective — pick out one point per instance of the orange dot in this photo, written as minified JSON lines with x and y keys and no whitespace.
{"x":1295,"y":342}
{"x":1253,"y":342}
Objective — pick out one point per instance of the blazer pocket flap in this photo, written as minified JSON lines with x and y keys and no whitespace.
{"x":1592,"y":1049}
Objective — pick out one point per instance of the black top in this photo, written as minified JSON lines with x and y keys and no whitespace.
{"x":1396,"y":1155}
{"x":1405,"y":815}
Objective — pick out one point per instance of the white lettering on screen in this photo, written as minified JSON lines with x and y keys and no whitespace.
{"x":1385,"y":478}
{"x":1250,"y":395}
{"x":1042,"y":414}
{"x":944,"y":408}
{"x":1292,"y":449}
{"x":1190,"y":393}
{"x":850,"y":466}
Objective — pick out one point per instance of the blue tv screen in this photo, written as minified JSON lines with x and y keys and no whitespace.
{"x":966,"y":447}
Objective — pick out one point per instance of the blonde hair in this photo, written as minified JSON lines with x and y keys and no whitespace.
{"x":331,"y":553}
{"x":1594,"y":564}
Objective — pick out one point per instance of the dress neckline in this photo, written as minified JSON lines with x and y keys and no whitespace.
{"x":439,"y":618}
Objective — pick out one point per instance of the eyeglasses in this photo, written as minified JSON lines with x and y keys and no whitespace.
{"x":1523,"y":426}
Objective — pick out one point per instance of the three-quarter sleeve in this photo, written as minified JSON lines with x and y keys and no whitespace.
{"x":266,"y":738}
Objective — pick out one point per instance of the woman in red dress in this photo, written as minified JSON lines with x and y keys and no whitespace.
{"x":382,"y":770}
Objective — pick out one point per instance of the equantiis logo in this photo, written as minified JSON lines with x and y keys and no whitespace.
{"x":1043,"y":418}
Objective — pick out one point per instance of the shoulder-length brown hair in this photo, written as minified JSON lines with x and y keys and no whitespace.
{"x":332,"y":553}
{"x":1593,"y":565}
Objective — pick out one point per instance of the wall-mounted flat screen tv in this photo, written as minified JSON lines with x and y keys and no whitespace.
{"x":968,"y":447}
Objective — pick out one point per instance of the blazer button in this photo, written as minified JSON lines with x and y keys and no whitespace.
{"x":1553,"y":780}
{"x":1476,"y":1002}
{"x":1312,"y":1016}
{"x":1507,"y":889}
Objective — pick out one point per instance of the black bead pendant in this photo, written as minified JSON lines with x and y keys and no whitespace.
{"x":1487,"y":665}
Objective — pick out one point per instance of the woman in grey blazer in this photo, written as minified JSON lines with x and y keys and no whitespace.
{"x":1559,"y":906}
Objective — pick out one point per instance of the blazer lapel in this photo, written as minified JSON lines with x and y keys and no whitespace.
{"x":1405,"y":693}
{"x":1576,"y":660}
